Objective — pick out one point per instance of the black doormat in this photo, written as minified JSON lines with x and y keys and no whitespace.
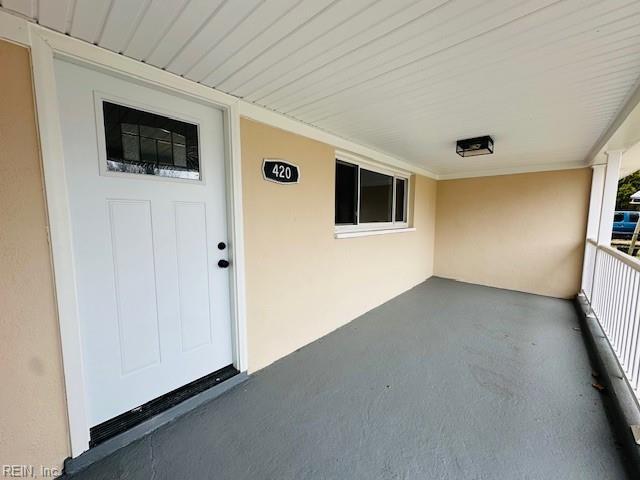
{"x":127,"y":420}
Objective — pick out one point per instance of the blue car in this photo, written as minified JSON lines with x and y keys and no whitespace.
{"x":624,"y":223}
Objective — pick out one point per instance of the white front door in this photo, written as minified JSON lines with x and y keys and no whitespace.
{"x":146,"y":180}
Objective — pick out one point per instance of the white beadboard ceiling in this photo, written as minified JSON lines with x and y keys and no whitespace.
{"x":545,"y":78}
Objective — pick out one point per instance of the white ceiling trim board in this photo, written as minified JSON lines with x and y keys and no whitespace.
{"x":13,"y":28}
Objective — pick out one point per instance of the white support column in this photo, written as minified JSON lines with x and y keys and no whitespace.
{"x":593,"y":223}
{"x":595,"y":201}
{"x":614,"y":160}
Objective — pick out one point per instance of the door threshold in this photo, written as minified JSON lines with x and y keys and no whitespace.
{"x":124,"y":429}
{"x":114,"y":426}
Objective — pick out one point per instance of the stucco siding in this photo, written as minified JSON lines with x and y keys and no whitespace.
{"x":521,"y":232}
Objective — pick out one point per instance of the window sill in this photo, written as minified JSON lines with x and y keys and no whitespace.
{"x":366,"y":233}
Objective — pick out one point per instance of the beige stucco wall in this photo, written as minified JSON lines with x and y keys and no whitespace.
{"x":521,"y":232}
{"x":302,"y":283}
{"x":33,"y":423}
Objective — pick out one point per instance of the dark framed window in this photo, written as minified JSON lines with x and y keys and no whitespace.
{"x":633,"y":217}
{"x":364,"y":196}
{"x":147,"y":143}
{"x":618,"y":217}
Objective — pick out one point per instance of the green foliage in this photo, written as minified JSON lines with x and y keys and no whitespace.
{"x":627,"y":187}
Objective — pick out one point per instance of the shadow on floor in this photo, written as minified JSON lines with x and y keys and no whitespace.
{"x":447,"y":381}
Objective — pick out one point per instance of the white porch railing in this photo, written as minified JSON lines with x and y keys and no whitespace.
{"x":611,"y":283}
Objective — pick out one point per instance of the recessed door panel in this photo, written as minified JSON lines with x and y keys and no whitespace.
{"x":135,"y":283}
{"x":191,"y":241}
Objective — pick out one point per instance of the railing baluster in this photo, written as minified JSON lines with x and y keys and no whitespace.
{"x":605,"y":289}
{"x":620,"y":295}
{"x":624,"y":334}
{"x":603,"y":282}
{"x":590,"y":253}
{"x":624,"y":328}
{"x":616,"y":301}
{"x":633,"y":315}
{"x":619,"y":304}
{"x":595,"y":289}
{"x":621,"y":313}
{"x":610,"y":280}
{"x":634,"y":357}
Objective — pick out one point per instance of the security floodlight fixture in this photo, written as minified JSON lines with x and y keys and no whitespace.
{"x":471,"y":147}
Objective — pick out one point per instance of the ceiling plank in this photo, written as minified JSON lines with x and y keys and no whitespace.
{"x":467,"y":63}
{"x":88,"y":19}
{"x":229,"y":17}
{"x":270,"y":39}
{"x":196,"y":14}
{"x":28,"y":8}
{"x":154,"y":25}
{"x":123,"y":20}
{"x":56,"y":14}
{"x":448,"y":28}
{"x":260,"y":20}
{"x":376,"y":21}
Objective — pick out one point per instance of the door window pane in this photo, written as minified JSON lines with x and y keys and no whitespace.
{"x":130,"y":147}
{"x":179,"y":155}
{"x":376,"y":197}
{"x":401,"y":200}
{"x":147,"y":143}
{"x":346,"y":193}
{"x":148,"y":150}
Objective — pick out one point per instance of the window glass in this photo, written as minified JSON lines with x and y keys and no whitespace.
{"x":376,"y":197}
{"x":633,"y":217}
{"x":147,"y":143}
{"x":618,"y":217}
{"x":346,"y":189}
{"x":401,"y":201}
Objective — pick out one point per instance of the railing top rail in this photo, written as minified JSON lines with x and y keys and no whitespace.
{"x":627,"y":259}
{"x":592,"y":242}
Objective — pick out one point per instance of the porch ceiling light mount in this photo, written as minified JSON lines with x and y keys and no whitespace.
{"x":470,"y":147}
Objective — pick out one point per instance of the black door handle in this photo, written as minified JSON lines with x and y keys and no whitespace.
{"x":223,"y":263}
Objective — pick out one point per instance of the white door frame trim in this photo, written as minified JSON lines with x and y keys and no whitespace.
{"x":45,"y":46}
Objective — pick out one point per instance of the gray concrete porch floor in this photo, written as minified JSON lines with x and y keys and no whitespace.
{"x":447,"y":381}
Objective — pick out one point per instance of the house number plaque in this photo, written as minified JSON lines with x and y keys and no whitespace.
{"x":279,"y":171}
